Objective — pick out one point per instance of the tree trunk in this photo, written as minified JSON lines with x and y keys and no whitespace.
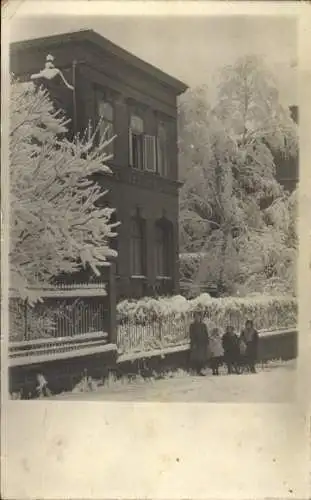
{"x":221,"y":282}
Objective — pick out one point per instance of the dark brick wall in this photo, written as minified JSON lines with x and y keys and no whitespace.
{"x":128,"y":189}
{"x":281,"y":346}
{"x":98,"y":68}
{"x":152,"y":205}
{"x":65,"y":374}
{"x":61,"y":374}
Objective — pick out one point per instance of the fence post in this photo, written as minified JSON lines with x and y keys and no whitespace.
{"x":161,"y":328}
{"x":112,"y":304}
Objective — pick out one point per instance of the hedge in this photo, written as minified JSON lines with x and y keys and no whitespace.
{"x":173,"y":314}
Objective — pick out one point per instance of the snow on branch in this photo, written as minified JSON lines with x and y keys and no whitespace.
{"x":56,"y":221}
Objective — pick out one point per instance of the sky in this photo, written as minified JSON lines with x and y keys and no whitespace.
{"x":192,"y":49}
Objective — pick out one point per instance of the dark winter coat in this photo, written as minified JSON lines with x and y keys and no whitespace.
{"x":198,"y":342}
{"x":251,"y":343}
{"x":231,"y":346}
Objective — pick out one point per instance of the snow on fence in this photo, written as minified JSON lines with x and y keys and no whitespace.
{"x":150,"y":334}
{"x":157,"y":323}
{"x":64,"y":312}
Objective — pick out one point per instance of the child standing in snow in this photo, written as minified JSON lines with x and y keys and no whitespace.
{"x":231,"y":346}
{"x":216,"y":350}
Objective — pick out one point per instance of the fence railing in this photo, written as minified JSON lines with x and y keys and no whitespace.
{"x":132,"y":335}
{"x":40,"y":350}
{"x":173,"y":329}
{"x":64,"y":312}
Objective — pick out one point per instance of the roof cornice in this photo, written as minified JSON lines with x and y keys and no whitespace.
{"x":104,"y":44}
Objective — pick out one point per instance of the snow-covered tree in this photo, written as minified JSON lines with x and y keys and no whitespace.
{"x":57,"y":220}
{"x":227,"y":153}
{"x":269,"y":258}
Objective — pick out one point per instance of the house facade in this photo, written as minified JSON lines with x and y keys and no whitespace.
{"x":137,"y":103}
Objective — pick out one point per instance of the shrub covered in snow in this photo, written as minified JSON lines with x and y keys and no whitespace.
{"x":266,"y":311}
{"x":149,"y":323}
{"x":149,"y":308}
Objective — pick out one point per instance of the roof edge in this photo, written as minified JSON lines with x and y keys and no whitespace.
{"x":89,"y":35}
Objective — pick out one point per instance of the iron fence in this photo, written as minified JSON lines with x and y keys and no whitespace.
{"x":151,"y":332}
{"x":57,"y":317}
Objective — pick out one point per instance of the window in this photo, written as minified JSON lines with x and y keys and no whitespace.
{"x":106,"y":115}
{"x":137,"y":247}
{"x":162,"y":150}
{"x":162,"y":250}
{"x":142,"y":146}
{"x":136,"y":142}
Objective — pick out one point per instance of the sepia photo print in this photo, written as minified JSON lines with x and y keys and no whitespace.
{"x":153,"y":208}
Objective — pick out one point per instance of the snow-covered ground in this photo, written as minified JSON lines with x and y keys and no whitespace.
{"x":273,"y":383}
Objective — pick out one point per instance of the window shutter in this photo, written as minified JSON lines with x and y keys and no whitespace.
{"x":146,"y":152}
{"x":159,"y":157}
{"x":131,"y":148}
{"x":149,"y":153}
{"x":154,"y":155}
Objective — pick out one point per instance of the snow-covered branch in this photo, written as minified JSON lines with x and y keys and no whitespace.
{"x":56,"y":219}
{"x":228,"y":162}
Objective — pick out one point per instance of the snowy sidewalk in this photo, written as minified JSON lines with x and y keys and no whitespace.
{"x":274,"y":383}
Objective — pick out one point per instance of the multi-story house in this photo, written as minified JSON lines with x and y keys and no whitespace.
{"x":137,"y":103}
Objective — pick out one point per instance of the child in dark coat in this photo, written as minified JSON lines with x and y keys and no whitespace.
{"x":231,"y":346}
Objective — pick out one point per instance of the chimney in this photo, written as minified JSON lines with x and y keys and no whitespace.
{"x":294,"y":113}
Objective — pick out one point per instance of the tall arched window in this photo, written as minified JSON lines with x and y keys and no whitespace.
{"x":162,"y":248}
{"x":137,"y":124}
{"x":137,"y":247}
{"x":142,"y":146}
{"x":106,"y":116}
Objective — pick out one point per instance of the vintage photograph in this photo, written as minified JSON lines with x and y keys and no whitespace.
{"x":153,"y":208}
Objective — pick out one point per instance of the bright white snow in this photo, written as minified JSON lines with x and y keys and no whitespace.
{"x":274,"y":383}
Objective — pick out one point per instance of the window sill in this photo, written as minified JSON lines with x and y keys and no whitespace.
{"x":138,"y":277}
{"x":122,"y":173}
{"x":151,"y":172}
{"x":164,"y":278}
